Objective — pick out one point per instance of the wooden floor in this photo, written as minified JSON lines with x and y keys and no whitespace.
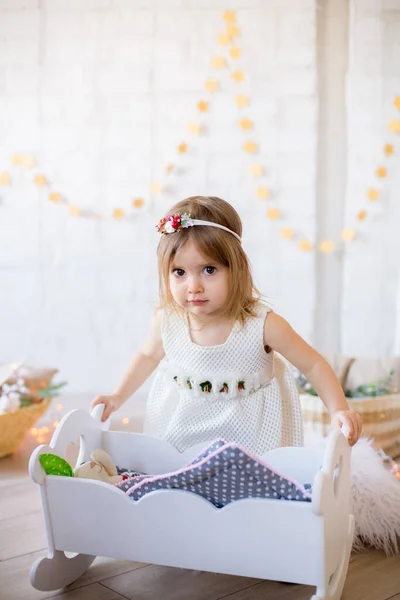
{"x":372,"y":576}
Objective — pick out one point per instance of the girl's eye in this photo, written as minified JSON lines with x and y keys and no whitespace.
{"x":210,"y":270}
{"x":179,"y":272}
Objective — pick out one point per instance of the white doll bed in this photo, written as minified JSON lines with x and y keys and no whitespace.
{"x":300,"y":542}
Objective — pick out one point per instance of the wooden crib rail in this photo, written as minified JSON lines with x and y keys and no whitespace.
{"x":331,"y":487}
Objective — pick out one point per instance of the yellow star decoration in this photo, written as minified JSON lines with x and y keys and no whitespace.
{"x":118,"y":214}
{"x":22,"y":160}
{"x":238,"y":76}
{"x":233,"y":30}
{"x":348,"y":235}
{"x":137,"y":202}
{"x":242,"y":101}
{"x":211,"y":85}
{"x":250,"y":147}
{"x":218,"y":62}
{"x":195,"y":128}
{"x":373,"y":194}
{"x":5,"y":178}
{"x":40,"y":180}
{"x":305,"y":245}
{"x":256,"y":170}
{"x":55,"y":197}
{"x":388,"y":149}
{"x":169,"y":168}
{"x":223,"y":39}
{"x":394,"y":126}
{"x":229,"y":16}
{"x":381,"y":172}
{"x":182,"y":148}
{"x":155,"y":187}
{"x":245,"y":123}
{"x":327,"y":246}
{"x":203,"y":106}
{"x":17,"y":159}
{"x":273,"y":214}
{"x":362,"y":215}
{"x":28,"y":161}
{"x":263,"y":192}
{"x":235,"y":52}
{"x":397,"y":102}
{"x":73,"y":210}
{"x":287,"y":233}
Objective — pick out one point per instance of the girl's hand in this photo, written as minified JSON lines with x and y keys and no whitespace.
{"x":351,"y":421}
{"x":112,"y":402}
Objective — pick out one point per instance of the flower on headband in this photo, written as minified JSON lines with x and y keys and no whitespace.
{"x":172,"y":223}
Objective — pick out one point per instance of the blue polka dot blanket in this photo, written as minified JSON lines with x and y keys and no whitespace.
{"x":222,"y":473}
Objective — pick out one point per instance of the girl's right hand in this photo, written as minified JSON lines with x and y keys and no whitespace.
{"x":112,"y":402}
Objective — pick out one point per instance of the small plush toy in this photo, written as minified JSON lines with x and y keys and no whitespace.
{"x":101,"y":467}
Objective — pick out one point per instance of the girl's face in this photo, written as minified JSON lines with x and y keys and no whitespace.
{"x":198,"y":284}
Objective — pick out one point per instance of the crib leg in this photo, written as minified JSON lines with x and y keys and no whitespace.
{"x":334,"y":586}
{"x":57,"y":571}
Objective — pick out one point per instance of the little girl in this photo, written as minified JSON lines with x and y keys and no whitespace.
{"x":213,"y":342}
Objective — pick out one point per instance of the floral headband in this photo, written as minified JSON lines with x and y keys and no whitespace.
{"x":174,"y":223}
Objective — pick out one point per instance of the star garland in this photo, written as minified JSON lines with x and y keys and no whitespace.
{"x":194,"y":128}
{"x":228,"y":40}
{"x":257,"y":170}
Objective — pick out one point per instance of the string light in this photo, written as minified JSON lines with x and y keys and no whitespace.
{"x":347,"y":234}
{"x":395,"y":469}
{"x":225,"y":39}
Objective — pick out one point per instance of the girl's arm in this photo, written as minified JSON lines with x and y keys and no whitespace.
{"x":142,"y":365}
{"x":144,"y":362}
{"x":280,"y":336}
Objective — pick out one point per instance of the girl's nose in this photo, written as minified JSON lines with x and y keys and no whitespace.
{"x":195,"y":285}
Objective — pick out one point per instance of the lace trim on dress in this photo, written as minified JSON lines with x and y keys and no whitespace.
{"x":221,"y":385}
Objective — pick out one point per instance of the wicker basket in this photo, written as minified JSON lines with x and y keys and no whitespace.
{"x":14,"y":426}
{"x":380,"y":416}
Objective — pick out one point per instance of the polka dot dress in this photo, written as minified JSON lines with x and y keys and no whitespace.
{"x":233,"y":390}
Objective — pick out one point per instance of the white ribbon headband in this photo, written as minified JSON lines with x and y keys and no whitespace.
{"x":174,"y":223}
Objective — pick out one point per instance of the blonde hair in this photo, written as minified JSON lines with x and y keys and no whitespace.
{"x":218,"y":245}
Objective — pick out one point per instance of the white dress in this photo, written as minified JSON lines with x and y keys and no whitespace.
{"x":235,"y":391}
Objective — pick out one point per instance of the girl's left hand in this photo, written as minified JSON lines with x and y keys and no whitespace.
{"x":349,"y":419}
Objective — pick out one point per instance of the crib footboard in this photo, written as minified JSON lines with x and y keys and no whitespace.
{"x":57,"y":570}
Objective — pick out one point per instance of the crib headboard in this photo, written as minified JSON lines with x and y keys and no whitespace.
{"x":76,"y":427}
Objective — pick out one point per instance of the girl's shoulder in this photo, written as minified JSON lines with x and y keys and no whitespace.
{"x":260,"y":310}
{"x":255,"y":321}
{"x":169,"y":317}
{"x":156,"y":322}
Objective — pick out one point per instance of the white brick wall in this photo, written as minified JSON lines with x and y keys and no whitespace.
{"x":101,"y":92}
{"x":370,"y":306}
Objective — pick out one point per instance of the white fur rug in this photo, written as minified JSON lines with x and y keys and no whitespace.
{"x":376,"y":498}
